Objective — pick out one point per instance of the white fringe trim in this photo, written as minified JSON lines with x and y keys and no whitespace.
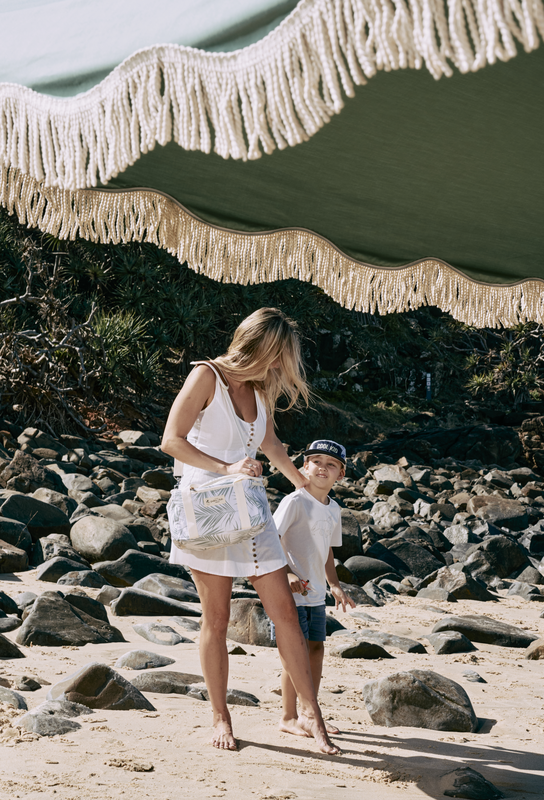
{"x":274,"y":93}
{"x":235,"y":257}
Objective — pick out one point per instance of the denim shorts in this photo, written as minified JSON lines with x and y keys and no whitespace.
{"x":313,"y":622}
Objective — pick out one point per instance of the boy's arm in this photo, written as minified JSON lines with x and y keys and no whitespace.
{"x":332,"y":579}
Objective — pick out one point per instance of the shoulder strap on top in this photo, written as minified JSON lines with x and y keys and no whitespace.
{"x":220,"y":377}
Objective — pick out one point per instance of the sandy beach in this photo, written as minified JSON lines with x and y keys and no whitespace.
{"x":165,"y":755}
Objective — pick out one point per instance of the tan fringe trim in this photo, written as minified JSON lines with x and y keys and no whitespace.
{"x":234,"y":257}
{"x":277,"y":92}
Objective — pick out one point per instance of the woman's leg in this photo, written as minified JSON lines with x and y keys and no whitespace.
{"x":214,"y":592}
{"x":278,"y":602}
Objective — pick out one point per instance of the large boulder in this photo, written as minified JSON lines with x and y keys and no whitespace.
{"x":351,"y":537}
{"x":53,"y":718}
{"x":15,"y":533}
{"x":535,"y":651}
{"x":53,"y":546}
{"x":160,"y":634}
{"x":54,"y":622}
{"x":100,"y":539}
{"x":25,"y":474}
{"x":501,"y":511}
{"x":12,"y":559}
{"x":249,"y":623}
{"x":503,"y":555}
{"x":37,"y":439}
{"x":148,"y":455}
{"x":8,"y":649}
{"x":419,"y":699}
{"x":166,"y":682}
{"x":40,"y":518}
{"x":62,"y":501}
{"x":143,"y":659}
{"x":133,"y":601}
{"x":450,"y":642}
{"x":359,"y":648}
{"x":486,"y":630}
{"x":134,"y":565}
{"x":465,"y":782}
{"x":391,"y":640}
{"x":458,"y":586}
{"x":418,"y":560}
{"x":98,"y":686}
{"x":54,"y":568}
{"x":364,"y":569}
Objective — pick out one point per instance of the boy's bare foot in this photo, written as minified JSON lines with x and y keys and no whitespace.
{"x":292,"y":726}
{"x":222,"y":736}
{"x":318,"y":732}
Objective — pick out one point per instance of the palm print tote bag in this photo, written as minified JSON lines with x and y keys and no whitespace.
{"x":220,"y":512}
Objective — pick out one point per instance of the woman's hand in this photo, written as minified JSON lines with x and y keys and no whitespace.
{"x":247,"y":466}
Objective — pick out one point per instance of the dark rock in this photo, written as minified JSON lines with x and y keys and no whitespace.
{"x":419,"y":699}
{"x":503,"y":555}
{"x":159,"y":479}
{"x":188,"y":624}
{"x":363,"y":616}
{"x":12,"y":559}
{"x":36,"y":438}
{"x":9,"y":623}
{"x":360,"y":649}
{"x":25,"y":474}
{"x":332,"y":625}
{"x":13,"y":699}
{"x":88,"y":578}
{"x":166,"y":682}
{"x":417,"y":560}
{"x":486,"y":630}
{"x":458,"y":586}
{"x":528,"y":575}
{"x":168,"y":586}
{"x":54,"y":622}
{"x":466,"y":782}
{"x":390,"y":640}
{"x":62,"y":501}
{"x":52,"y":546}
{"x":437,"y":594}
{"x":526,"y":591}
{"x":137,"y":602}
{"x":160,"y":634}
{"x":143,"y":659}
{"x":98,"y":539}
{"x":351,"y":537}
{"x":7,"y":604}
{"x":450,"y":642}
{"x":15,"y":533}
{"x":8,"y":649}
{"x":40,"y":518}
{"x":500,"y":511}
{"x":249,"y":623}
{"x":94,"y":608}
{"x":364,"y":569}
{"x":473,"y":676}
{"x":380,"y":596}
{"x":134,"y":565}
{"x":53,"y":718}
{"x":22,"y":601}
{"x":357,"y":594}
{"x":148,"y":455}
{"x":55,"y":568}
{"x":98,"y":686}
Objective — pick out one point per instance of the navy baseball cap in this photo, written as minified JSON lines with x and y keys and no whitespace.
{"x":326,"y":447}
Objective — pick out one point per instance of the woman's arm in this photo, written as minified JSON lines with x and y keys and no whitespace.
{"x":197,"y":392}
{"x":275,"y":452}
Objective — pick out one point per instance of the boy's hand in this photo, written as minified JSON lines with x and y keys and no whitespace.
{"x":341,"y":597}
{"x":295,"y":584}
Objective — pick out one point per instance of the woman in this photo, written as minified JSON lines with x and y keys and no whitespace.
{"x":262,"y":362}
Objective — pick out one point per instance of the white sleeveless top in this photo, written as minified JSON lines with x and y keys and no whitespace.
{"x":216,"y":433}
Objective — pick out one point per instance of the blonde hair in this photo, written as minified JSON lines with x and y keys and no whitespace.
{"x":265,"y":336}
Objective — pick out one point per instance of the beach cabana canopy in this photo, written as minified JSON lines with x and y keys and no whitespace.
{"x":388,"y":151}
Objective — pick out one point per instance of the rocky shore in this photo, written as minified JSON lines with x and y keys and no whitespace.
{"x":94,"y":620}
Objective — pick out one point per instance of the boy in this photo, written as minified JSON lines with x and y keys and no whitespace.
{"x":310,"y":525}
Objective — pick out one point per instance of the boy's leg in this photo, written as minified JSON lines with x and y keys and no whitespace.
{"x":289,"y":720}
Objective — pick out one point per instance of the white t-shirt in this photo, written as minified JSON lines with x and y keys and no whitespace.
{"x":308,"y":529}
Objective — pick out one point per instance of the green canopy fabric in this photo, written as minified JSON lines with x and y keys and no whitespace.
{"x":282,"y":159}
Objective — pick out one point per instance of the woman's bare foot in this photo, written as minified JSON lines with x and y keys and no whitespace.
{"x":332,"y":729}
{"x":223,"y":737}
{"x":318,"y":732}
{"x":292,"y":726}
